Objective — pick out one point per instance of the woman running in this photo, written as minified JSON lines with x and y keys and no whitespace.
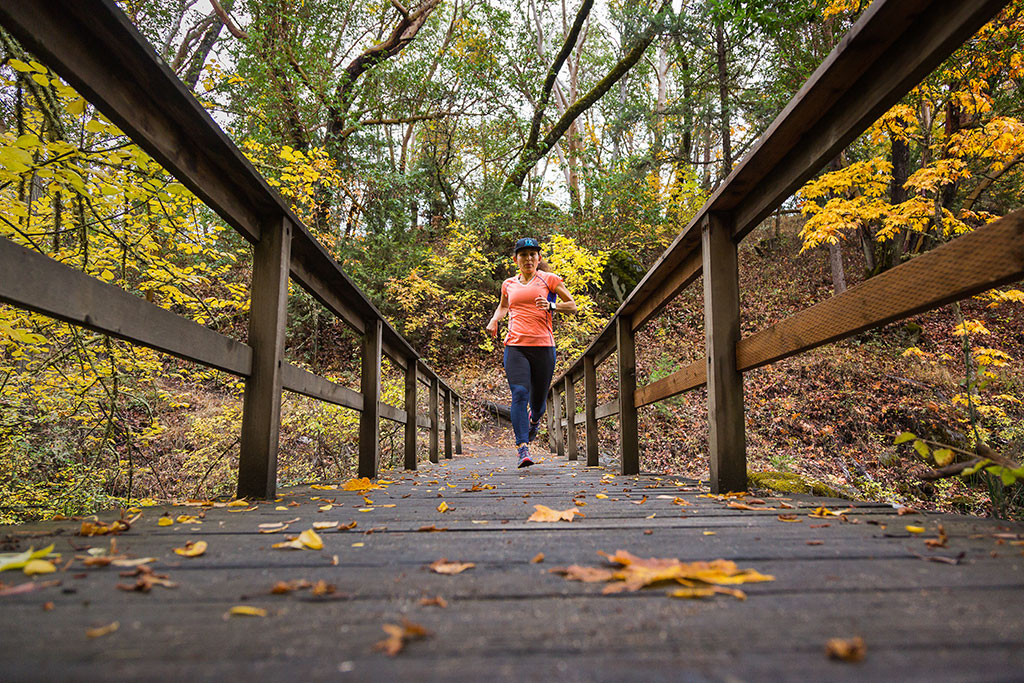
{"x":532,"y":298}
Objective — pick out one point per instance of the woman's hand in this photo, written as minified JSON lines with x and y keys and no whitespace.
{"x":492,"y":327}
{"x":541,"y":303}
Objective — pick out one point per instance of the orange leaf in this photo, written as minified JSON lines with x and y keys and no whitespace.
{"x":398,"y":636}
{"x":432,"y":528}
{"x":788,"y":518}
{"x":546,"y":514}
{"x":538,"y":558}
{"x":436,"y":601}
{"x":443,"y":566}
{"x":846,"y":649}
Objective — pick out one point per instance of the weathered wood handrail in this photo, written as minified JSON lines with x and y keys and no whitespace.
{"x":96,"y":49}
{"x":891,"y":48}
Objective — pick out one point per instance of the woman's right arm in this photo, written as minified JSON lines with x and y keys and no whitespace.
{"x":499,"y":313}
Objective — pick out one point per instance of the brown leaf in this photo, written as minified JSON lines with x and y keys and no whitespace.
{"x":815,"y":542}
{"x":436,"y":601}
{"x":743,"y":506}
{"x":432,"y":528}
{"x":398,"y":636}
{"x":788,"y":518}
{"x":282,"y":587}
{"x":27,"y":587}
{"x":545,"y":514}
{"x":939,"y":542}
{"x":538,"y":558}
{"x":443,"y":566}
{"x":846,"y":649}
{"x":907,"y":511}
{"x":577,"y":572}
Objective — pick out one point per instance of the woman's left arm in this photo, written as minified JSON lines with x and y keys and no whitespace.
{"x":567,"y":303}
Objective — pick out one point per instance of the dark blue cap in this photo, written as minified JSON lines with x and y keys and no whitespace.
{"x":526,"y":243}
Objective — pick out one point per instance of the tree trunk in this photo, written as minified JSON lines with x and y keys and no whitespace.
{"x":723,"y":92}
{"x":835,"y":260}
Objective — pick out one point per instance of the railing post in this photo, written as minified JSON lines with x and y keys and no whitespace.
{"x":629,"y":438}
{"x":410,"y":413}
{"x":726,"y":431}
{"x":590,"y":408}
{"x":261,"y":405}
{"x":434,"y":422}
{"x":556,"y":417}
{"x":458,"y":426}
{"x":549,"y":414}
{"x":447,"y":423}
{"x":570,"y":418}
{"x":369,"y":419}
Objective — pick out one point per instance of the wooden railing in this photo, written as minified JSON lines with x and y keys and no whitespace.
{"x":95,"y":48}
{"x":893,"y":46}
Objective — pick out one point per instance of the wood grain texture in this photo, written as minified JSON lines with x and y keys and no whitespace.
{"x":590,"y":408}
{"x":411,"y":384}
{"x":629,"y":435}
{"x":369,"y":418}
{"x":435,"y":423}
{"x":570,"y":427}
{"x":301,"y":381}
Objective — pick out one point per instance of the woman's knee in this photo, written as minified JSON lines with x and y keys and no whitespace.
{"x":520,"y":393}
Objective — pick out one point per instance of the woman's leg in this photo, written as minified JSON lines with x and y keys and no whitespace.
{"x":542,"y":369}
{"x":517,"y":372}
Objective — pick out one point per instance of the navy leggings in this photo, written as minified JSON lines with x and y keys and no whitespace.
{"x":528,"y":370}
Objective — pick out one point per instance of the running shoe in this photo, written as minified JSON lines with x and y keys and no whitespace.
{"x":524,"y":456}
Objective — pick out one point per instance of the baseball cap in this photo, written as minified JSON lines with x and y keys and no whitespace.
{"x":526,"y":243}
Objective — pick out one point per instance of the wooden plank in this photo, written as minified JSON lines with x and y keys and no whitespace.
{"x":555,"y":408}
{"x":261,"y":403}
{"x":434,"y":422}
{"x":38,"y":283}
{"x":685,"y":378}
{"x":990,"y":256}
{"x":369,"y":419}
{"x":393,"y":413}
{"x":607,"y":409}
{"x":410,"y":409}
{"x":629,"y":436}
{"x":458,"y":425}
{"x":590,"y":408}
{"x":726,"y":430}
{"x":294,"y":378}
{"x":423,"y":422}
{"x":447,"y":424}
{"x":570,"y":412}
{"x":549,"y":415}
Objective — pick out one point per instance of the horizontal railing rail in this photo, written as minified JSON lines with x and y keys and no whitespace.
{"x":892,"y":47}
{"x":96,"y":49}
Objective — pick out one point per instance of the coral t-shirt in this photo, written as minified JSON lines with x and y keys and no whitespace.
{"x":529,"y":325}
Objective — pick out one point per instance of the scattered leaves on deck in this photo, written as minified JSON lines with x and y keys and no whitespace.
{"x":308,"y":539}
{"x":361,"y":484}
{"x":22,"y":559}
{"x":545,"y":514}
{"x":146,"y":579}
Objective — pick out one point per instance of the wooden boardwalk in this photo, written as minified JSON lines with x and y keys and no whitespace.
{"x":510,"y":618}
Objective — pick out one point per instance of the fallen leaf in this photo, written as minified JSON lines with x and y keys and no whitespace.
{"x":165,"y":521}
{"x":710,"y":533}
{"x":600,"y":496}
{"x":545,"y":514}
{"x":147,"y":578}
{"x":443,"y":507}
{"x":679,"y":501}
{"x":907,"y":511}
{"x":443,"y":566}
{"x":821,"y":513}
{"x":361,"y":484}
{"x":48,"y":606}
{"x":272,"y":527}
{"x":743,"y":506}
{"x":432,"y":528}
{"x":815,"y":542}
{"x":282,"y":587}
{"x":101,"y":631}
{"x":915,"y":529}
{"x":398,"y":636}
{"x":639,"y":502}
{"x":846,"y":649}
{"x":188,"y":519}
{"x":350,"y":525}
{"x":246,"y":611}
{"x":311,"y":540}
{"x":323,"y":487}
{"x":320,"y":526}
{"x":788,"y":518}
{"x":240,"y":503}
{"x":436,"y":601}
{"x":939,"y":542}
{"x":707,"y":591}
{"x":192,"y":549}
{"x":538,"y":558}
{"x":27,"y":587}
{"x":33,"y":567}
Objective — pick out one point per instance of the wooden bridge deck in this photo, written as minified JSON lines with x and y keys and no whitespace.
{"x":509,"y":618}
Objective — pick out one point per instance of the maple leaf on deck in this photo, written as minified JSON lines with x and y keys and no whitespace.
{"x":443,"y":566}
{"x":545,"y":514}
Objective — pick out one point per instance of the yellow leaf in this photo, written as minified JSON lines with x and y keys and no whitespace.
{"x":545,"y":514}
{"x":188,"y":519}
{"x":311,"y":540}
{"x":39,"y":567}
{"x":709,"y":533}
{"x":281,"y":507}
{"x":247,"y":611}
{"x":240,"y":503}
{"x":848,"y":650}
{"x":362,"y":484}
{"x":601,"y":496}
{"x":325,"y":525}
{"x":192,"y":549}
{"x":443,"y":507}
{"x":915,"y":529}
{"x":102,"y":630}
{"x":358,"y":545}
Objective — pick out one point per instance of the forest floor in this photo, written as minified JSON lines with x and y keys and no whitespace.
{"x":830,"y":415}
